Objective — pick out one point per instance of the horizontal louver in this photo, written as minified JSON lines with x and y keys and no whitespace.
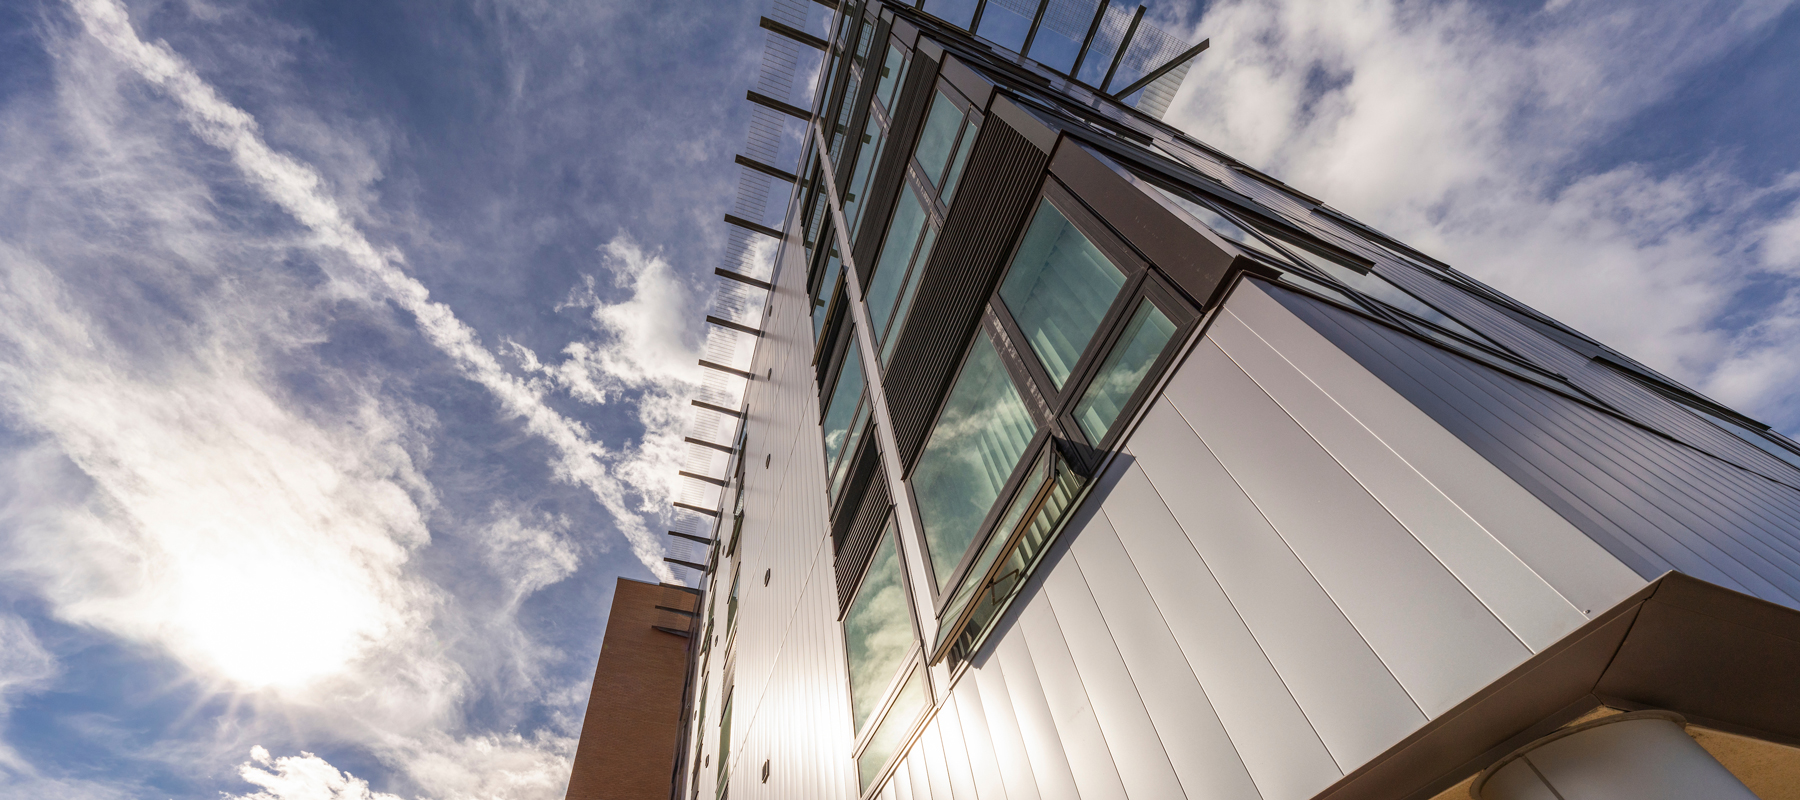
{"x":998,"y":187}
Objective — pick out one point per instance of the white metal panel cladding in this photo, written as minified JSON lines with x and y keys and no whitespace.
{"x":987,"y":686}
{"x":1577,"y":568}
{"x":1096,"y":774}
{"x":1352,"y":700}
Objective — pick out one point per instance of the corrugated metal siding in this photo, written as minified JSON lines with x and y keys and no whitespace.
{"x":1000,"y":181}
{"x":1654,"y":503}
{"x":1203,"y":630}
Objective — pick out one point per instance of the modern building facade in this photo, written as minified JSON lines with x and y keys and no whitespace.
{"x":1077,"y":458}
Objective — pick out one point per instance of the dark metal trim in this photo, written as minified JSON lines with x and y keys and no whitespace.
{"x":1124,"y":44}
{"x":707,"y":478}
{"x":769,"y":102}
{"x":711,"y":512}
{"x":752,"y":226}
{"x":714,"y":445}
{"x":728,"y":370}
{"x":741,"y":277}
{"x":1163,"y":70}
{"x":689,"y":536}
{"x":767,"y":169}
{"x":682,"y":611}
{"x":794,"y":33}
{"x":736,"y":326}
{"x":688,"y":564}
{"x":668,"y":630}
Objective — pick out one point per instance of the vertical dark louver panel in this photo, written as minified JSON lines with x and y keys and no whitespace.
{"x":884,"y":187}
{"x":859,"y":519}
{"x":998,"y":187}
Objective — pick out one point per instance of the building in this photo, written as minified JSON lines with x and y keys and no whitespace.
{"x":633,"y":722}
{"x":1077,"y":458}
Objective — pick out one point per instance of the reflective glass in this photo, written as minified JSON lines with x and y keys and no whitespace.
{"x":962,"y":156}
{"x":896,"y":253}
{"x":1381,"y":289}
{"x":841,"y":470}
{"x":892,"y":334}
{"x":978,"y":439}
{"x":888,"y":736}
{"x":1125,"y":367}
{"x":891,"y":71}
{"x":844,"y":398}
{"x":1222,"y":225}
{"x":873,"y":138}
{"x":941,"y":126}
{"x":877,"y":631}
{"x":1058,"y":289}
{"x":822,"y":304}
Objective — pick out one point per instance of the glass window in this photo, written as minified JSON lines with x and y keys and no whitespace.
{"x":892,"y":334}
{"x":978,"y":439}
{"x":908,"y":704}
{"x":1058,"y":289}
{"x":892,"y":70}
{"x":873,"y":138}
{"x":846,"y":398}
{"x":1125,"y":367}
{"x":941,"y":125}
{"x":896,"y":254}
{"x":877,"y":631}
{"x":724,"y":742}
{"x":731,"y":604}
{"x":832,"y":286}
{"x":1222,"y":225}
{"x":962,"y":156}
{"x":1381,"y":289}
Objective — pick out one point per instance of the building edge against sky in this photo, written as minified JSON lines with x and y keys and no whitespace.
{"x":1047,"y":452}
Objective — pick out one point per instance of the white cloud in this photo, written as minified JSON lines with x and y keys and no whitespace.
{"x":299,"y":190}
{"x":1464,"y":137}
{"x":302,"y":777}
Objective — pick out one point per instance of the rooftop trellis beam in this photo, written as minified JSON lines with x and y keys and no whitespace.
{"x":1088,"y":41}
{"x":700,"y":539}
{"x":736,"y":326}
{"x":794,"y":33}
{"x":714,"y":445}
{"x":749,"y":376}
{"x":690,"y":565}
{"x":1162,"y":70}
{"x":697,"y":476}
{"x":753,"y":227}
{"x":717,"y":409}
{"x":711,"y":512}
{"x":742,"y":278}
{"x":1124,"y":44}
{"x":769,"y":102}
{"x":767,"y":169}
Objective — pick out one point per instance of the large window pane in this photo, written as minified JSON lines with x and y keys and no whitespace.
{"x":941,"y":126}
{"x":873,"y":138}
{"x":1379,"y":288}
{"x":843,"y":406}
{"x":891,"y":71}
{"x":892,"y":335}
{"x":896,"y":254}
{"x":1222,"y":226}
{"x":877,"y":632}
{"x":1058,"y":289}
{"x":962,"y":157}
{"x":908,"y":704}
{"x":979,"y":438}
{"x":1125,"y":367}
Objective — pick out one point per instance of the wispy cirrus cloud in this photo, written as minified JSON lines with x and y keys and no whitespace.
{"x":1482,"y":141}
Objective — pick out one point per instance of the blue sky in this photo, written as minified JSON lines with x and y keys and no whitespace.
{"x":344,"y":346}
